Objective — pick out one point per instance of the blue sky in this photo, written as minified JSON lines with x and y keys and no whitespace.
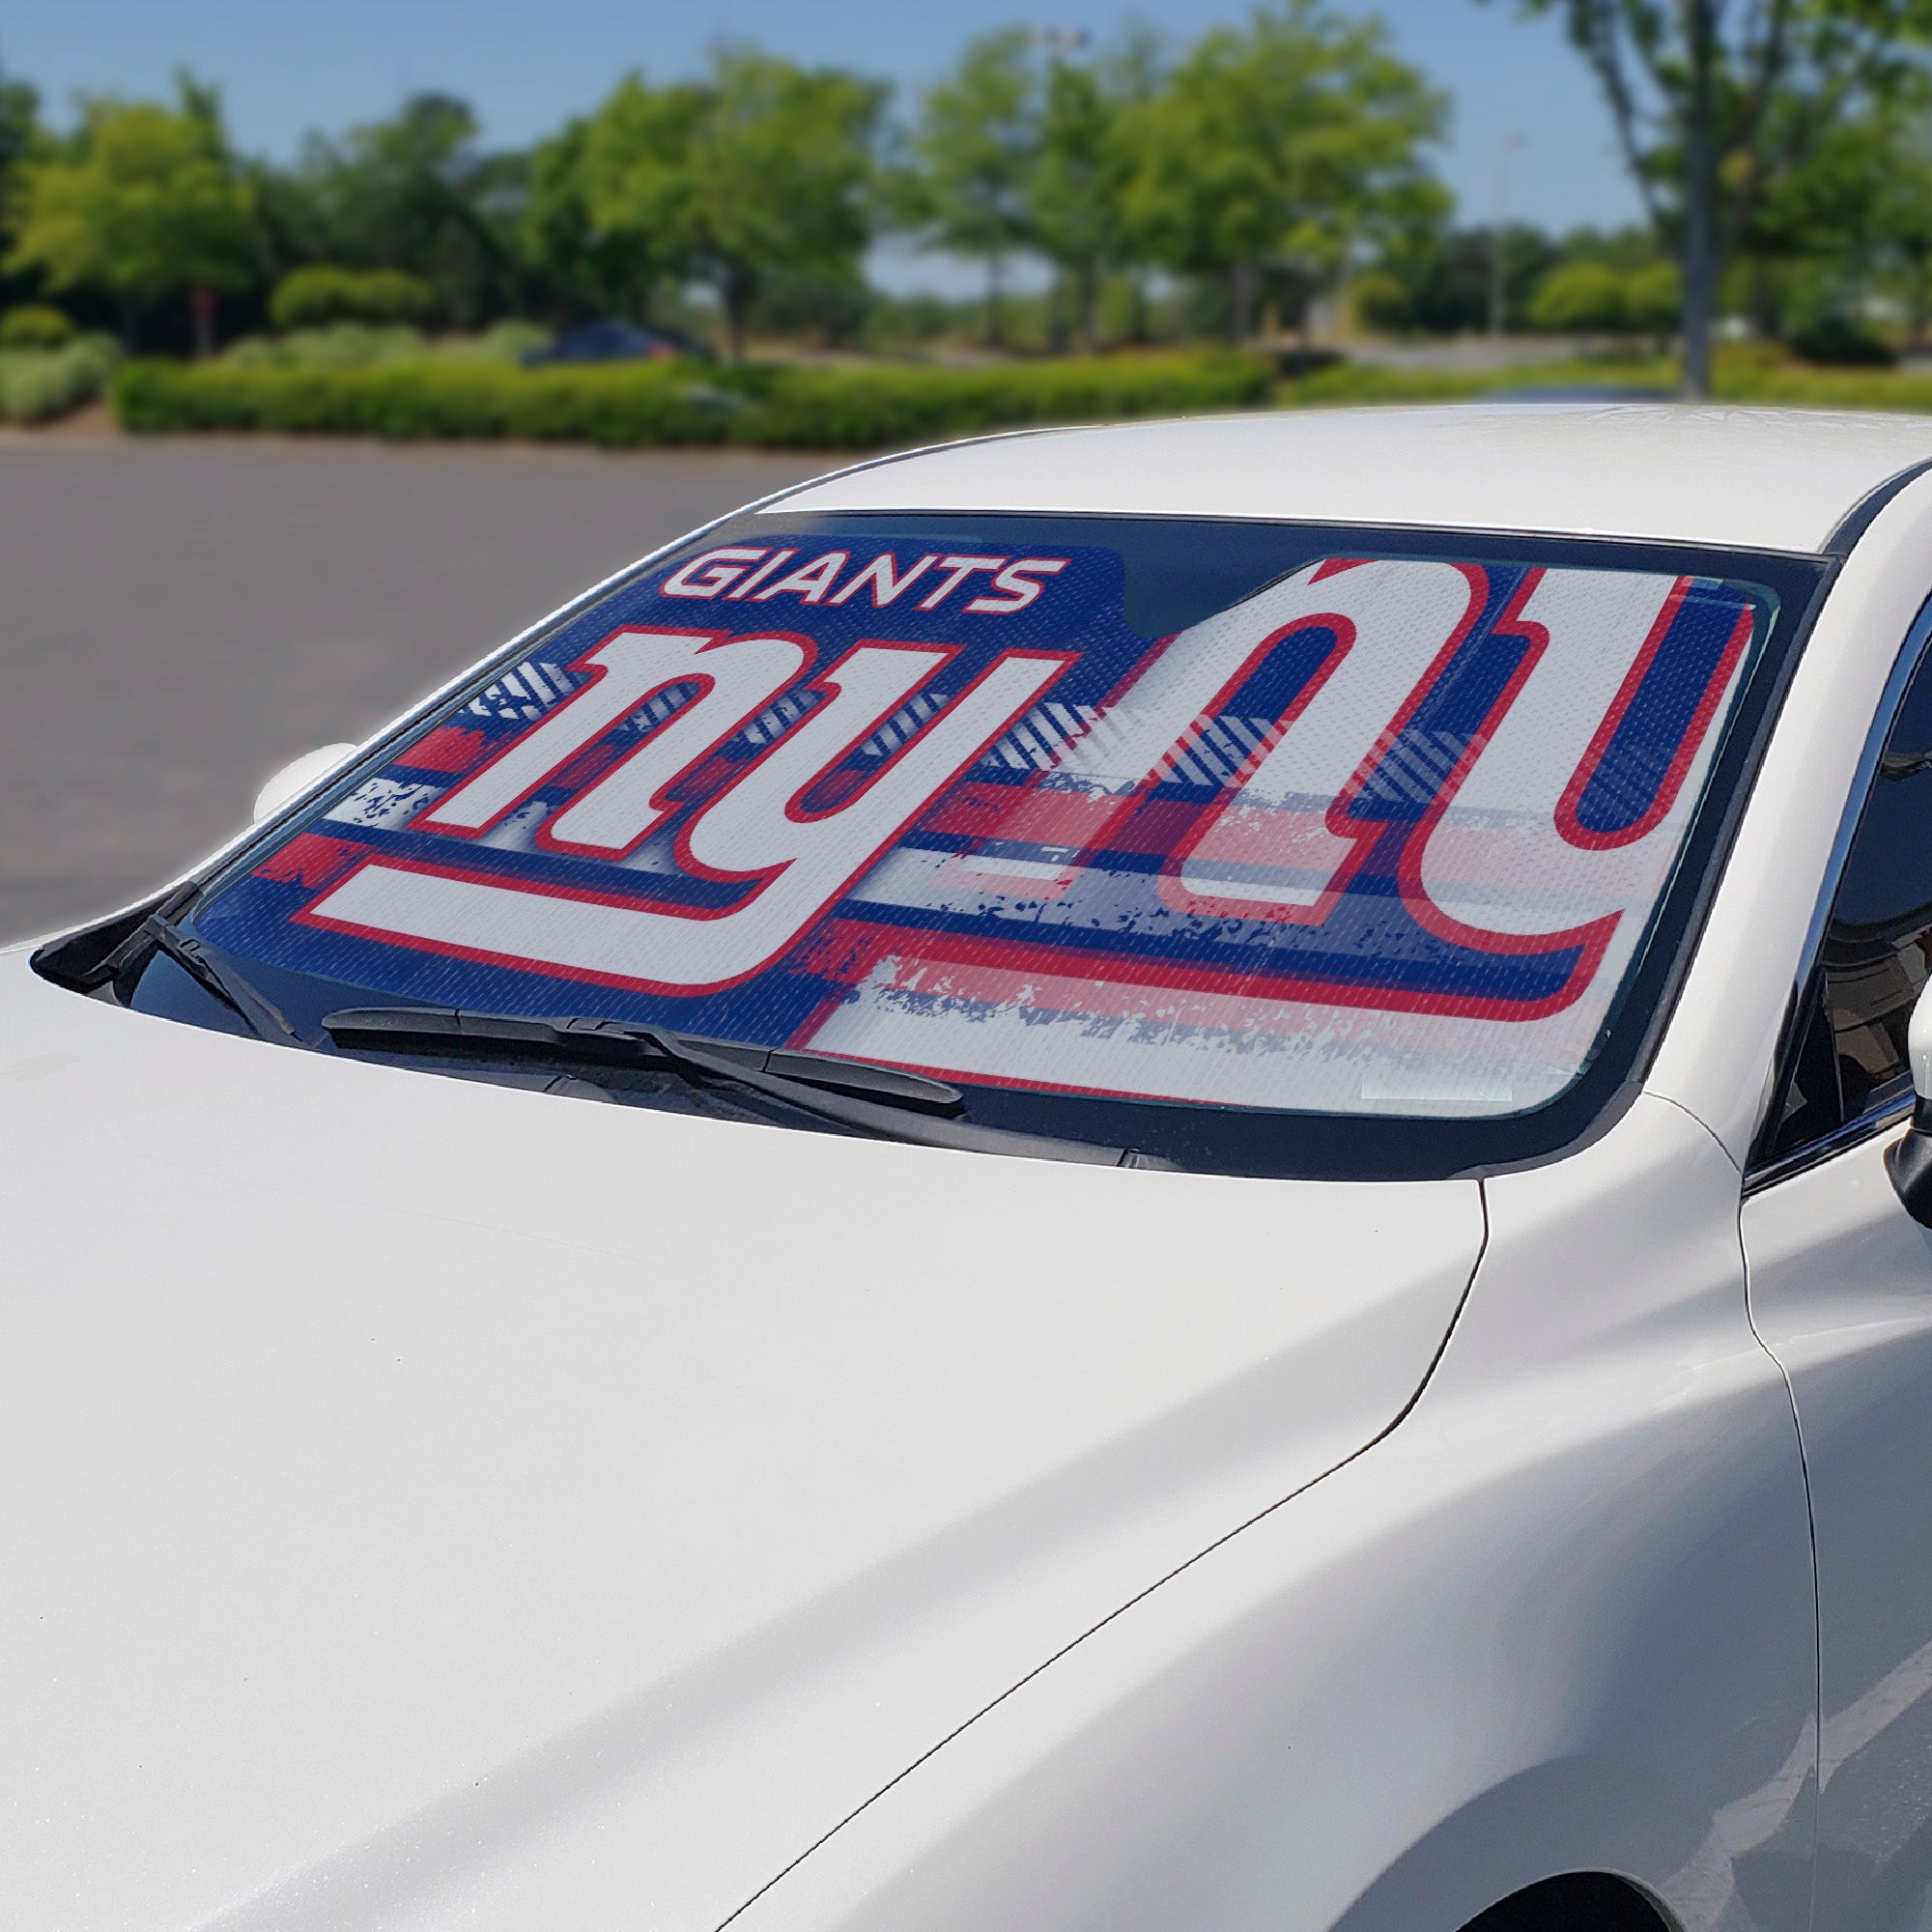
{"x":284,"y":71}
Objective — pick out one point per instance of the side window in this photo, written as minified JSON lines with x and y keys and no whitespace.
{"x":1850,"y":1057}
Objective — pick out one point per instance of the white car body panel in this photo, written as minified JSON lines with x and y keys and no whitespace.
{"x":1773,"y":479}
{"x":570,"y":1488}
{"x":1559,"y":1612}
{"x":1839,"y":1292}
{"x":573,"y":1523}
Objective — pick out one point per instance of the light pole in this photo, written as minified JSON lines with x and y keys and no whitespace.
{"x":1500,"y":235}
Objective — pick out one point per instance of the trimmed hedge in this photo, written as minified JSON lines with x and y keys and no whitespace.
{"x":41,"y":384}
{"x":1828,"y":388}
{"x":34,"y":326}
{"x":1347,"y":384}
{"x":361,"y":345}
{"x":313,"y":297}
{"x":633,"y":405}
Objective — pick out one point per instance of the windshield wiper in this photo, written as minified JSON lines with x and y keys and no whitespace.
{"x":212,"y":974}
{"x":883,"y":1101}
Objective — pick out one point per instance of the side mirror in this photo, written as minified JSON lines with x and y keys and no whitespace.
{"x":1909,"y":1162}
{"x":294,"y":778}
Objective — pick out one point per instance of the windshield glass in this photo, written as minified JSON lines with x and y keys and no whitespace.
{"x":1169,"y":816}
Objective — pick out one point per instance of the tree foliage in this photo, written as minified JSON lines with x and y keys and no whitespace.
{"x":418,"y":194}
{"x":1720,"y":106}
{"x":779,"y":176}
{"x":762,"y":170}
{"x":1783,"y":147}
{"x":1079,"y":214}
{"x":142,"y":201}
{"x":606,"y":214}
{"x":973,"y":150}
{"x":1293,"y":137}
{"x":317,"y":296}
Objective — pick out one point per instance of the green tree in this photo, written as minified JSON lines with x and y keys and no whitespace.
{"x":1076,"y":190}
{"x":142,"y":201}
{"x":1285,"y":142}
{"x":315,"y":298}
{"x":613,"y":208}
{"x":1900,"y":213}
{"x":415,"y":192}
{"x":1653,"y":298}
{"x":20,"y":132}
{"x":1582,"y":296}
{"x":778,"y":177}
{"x":1076,"y":196}
{"x":762,"y":170}
{"x":1444,"y":277}
{"x":973,"y":155}
{"x":22,"y":136}
{"x":1716,"y":108}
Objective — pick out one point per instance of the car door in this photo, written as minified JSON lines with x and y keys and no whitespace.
{"x":1840,"y":1287}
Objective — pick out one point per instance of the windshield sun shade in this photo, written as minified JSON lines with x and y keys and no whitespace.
{"x":1206,"y":816}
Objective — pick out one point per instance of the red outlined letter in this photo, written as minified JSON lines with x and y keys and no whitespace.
{"x":1283,"y":847}
{"x":1490,"y":868}
{"x":881,"y":577}
{"x":715,"y":569}
{"x":737,"y":677}
{"x":1017,"y":581}
{"x":756,"y":831}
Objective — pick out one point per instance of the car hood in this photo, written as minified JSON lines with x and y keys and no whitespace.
{"x":432,"y":1504}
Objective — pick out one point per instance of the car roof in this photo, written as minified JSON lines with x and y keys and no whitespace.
{"x":1771,"y":480}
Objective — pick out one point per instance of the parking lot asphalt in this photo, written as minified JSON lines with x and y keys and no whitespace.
{"x":179,"y":617}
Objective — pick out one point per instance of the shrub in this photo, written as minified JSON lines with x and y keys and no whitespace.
{"x":1381,"y":300}
{"x":34,"y":326}
{"x":341,"y":345}
{"x":631,"y":405}
{"x":315,"y":298}
{"x":360,"y":345}
{"x":1581,"y":296}
{"x":508,"y":341}
{"x":865,"y":407}
{"x":39,"y":384}
{"x":1801,"y":387}
{"x":1841,"y":341}
{"x":1653,"y":298}
{"x":1357,"y":383}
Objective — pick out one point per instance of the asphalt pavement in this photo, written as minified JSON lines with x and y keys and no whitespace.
{"x":180,"y":617}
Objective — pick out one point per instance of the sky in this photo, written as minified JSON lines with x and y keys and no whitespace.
{"x":284,"y":71}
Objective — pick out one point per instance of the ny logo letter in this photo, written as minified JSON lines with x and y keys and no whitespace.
{"x":795,"y":862}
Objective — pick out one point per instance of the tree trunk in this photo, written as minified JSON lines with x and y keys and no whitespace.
{"x":201,"y":310}
{"x":737,"y":310}
{"x":1700,"y":237}
{"x":1090,"y":309}
{"x":1763,"y":320}
{"x":1241,"y":279}
{"x":996,"y":330}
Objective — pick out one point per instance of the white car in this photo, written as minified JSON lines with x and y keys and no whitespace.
{"x":1119,"y":1181}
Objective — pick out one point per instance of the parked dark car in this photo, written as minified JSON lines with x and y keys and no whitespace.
{"x":617,"y":342}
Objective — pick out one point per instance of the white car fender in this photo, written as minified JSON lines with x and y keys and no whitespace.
{"x":1564,"y":1607}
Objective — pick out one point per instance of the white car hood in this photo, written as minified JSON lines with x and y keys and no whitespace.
{"x":432,"y":1504}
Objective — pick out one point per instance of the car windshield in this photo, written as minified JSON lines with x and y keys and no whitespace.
{"x":1270,"y":848}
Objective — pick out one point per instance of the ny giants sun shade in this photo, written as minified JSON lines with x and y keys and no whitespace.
{"x":1382,"y":837}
